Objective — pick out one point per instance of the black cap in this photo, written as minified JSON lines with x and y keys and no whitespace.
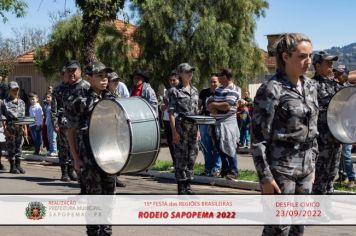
{"x":113,"y":76}
{"x":141,"y":73}
{"x":184,"y":67}
{"x":323,"y":56}
{"x":96,"y":67}
{"x":72,"y":64}
{"x":173,"y":73}
{"x":13,"y":85}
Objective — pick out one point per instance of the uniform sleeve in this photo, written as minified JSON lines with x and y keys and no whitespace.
{"x":265,"y":104}
{"x":23,"y":108}
{"x":172,"y":98}
{"x":54,"y":109}
{"x":74,"y":108}
{"x":2,"y":110}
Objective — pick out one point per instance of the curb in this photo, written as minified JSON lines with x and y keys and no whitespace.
{"x":31,"y":157}
{"x":239,"y":184}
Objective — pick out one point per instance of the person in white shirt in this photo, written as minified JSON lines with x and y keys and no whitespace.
{"x":35,"y":128}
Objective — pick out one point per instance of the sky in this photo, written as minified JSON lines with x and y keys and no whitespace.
{"x":327,"y":22}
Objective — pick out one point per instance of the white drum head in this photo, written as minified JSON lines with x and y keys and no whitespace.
{"x":109,"y":136}
{"x":341,"y":115}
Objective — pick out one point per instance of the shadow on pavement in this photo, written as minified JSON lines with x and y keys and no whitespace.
{"x":28,"y":178}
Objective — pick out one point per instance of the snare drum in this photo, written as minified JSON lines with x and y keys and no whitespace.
{"x":124,"y":135}
{"x":24,"y":120}
{"x":341,"y":115}
{"x":202,"y":120}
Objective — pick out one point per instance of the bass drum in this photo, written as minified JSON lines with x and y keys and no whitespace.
{"x":341,"y":115}
{"x":124,"y":135}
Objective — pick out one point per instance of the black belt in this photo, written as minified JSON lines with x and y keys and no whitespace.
{"x":299,"y":146}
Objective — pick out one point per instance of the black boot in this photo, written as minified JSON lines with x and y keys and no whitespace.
{"x":181,"y":188}
{"x":13,"y":169}
{"x":18,"y":166}
{"x":37,"y":151}
{"x":120,"y":183}
{"x":71,"y":173}
{"x":64,"y":177}
{"x":188,"y":188}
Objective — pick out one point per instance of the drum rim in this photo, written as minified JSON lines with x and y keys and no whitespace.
{"x":130,"y":131}
{"x":328,"y":111}
{"x":26,"y":120}
{"x":131,"y":137}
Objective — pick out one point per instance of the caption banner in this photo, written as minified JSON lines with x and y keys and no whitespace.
{"x":177,"y":209}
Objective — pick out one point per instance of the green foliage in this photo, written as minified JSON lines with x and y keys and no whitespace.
{"x":103,"y":9}
{"x":65,"y":43}
{"x":17,"y":7}
{"x":7,"y":57}
{"x":112,"y":49}
{"x":209,"y":34}
{"x":94,"y":13}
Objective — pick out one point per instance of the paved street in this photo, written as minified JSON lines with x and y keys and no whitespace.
{"x":244,"y":159}
{"x":43,"y":178}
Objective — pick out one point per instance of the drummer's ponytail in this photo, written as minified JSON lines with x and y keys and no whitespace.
{"x":287,"y":43}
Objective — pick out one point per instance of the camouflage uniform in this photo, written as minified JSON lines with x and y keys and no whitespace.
{"x":79,"y":106}
{"x":11,"y":111}
{"x":59,"y":119}
{"x":71,"y":92}
{"x":183,"y":102}
{"x":284,"y":131}
{"x":327,"y":164}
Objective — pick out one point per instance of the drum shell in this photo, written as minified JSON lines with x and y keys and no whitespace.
{"x":202,"y":120}
{"x":24,"y":120}
{"x":140,"y":140}
{"x":341,"y":115}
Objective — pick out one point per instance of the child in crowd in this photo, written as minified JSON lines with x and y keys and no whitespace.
{"x":35,"y":128}
{"x":51,"y":134}
{"x":244,"y":124}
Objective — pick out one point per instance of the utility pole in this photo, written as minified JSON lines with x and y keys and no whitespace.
{"x":24,"y":43}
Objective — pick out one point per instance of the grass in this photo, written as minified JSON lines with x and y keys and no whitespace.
{"x":31,"y":150}
{"x":248,"y":175}
{"x":343,"y":187}
{"x":159,"y":165}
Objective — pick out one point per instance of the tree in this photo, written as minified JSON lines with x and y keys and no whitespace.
{"x":66,"y":41}
{"x":7,"y":57}
{"x":210,"y":34}
{"x":64,"y":44}
{"x":17,"y":7}
{"x":95,"y":12}
{"x":26,"y":39}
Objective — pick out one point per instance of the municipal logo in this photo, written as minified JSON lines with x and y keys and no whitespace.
{"x":35,"y":211}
